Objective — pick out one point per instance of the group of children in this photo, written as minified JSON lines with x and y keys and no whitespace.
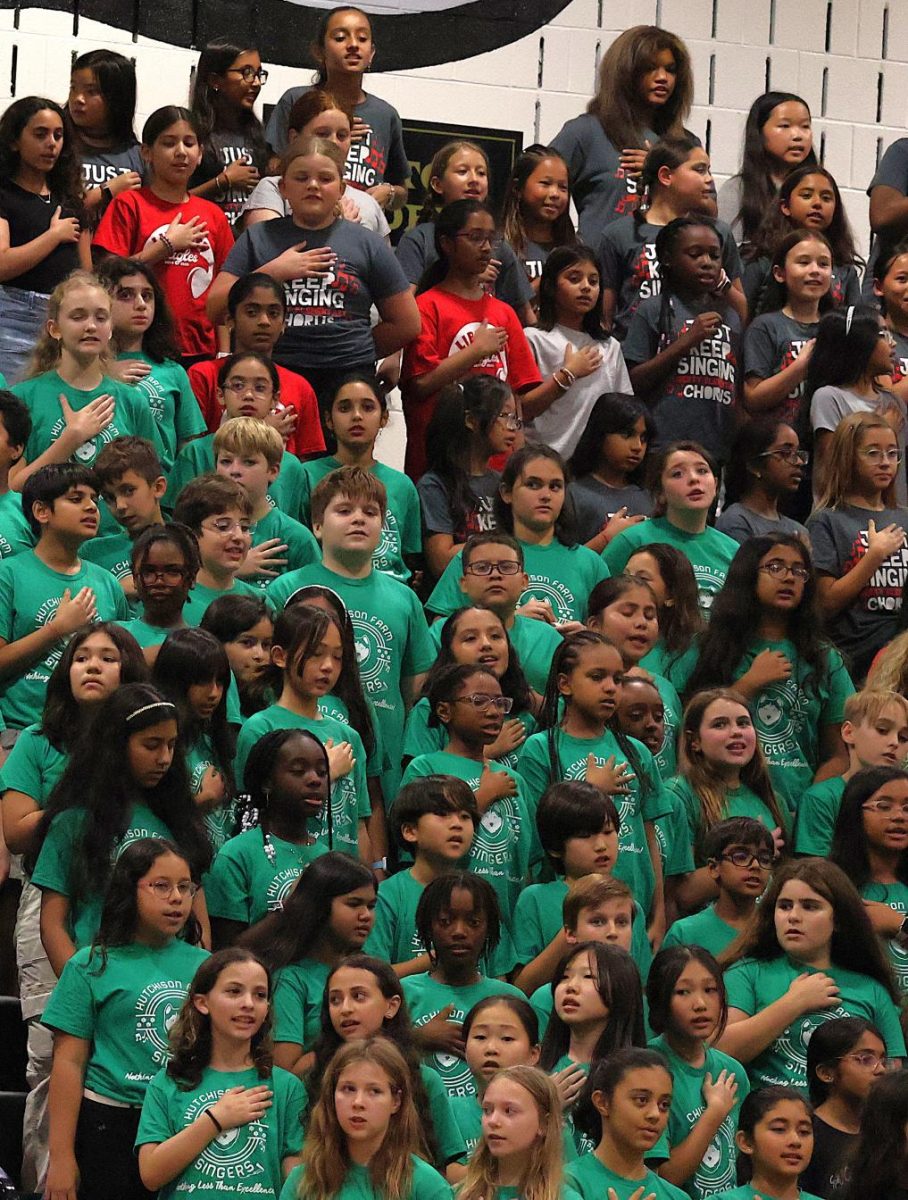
{"x":511,"y":823}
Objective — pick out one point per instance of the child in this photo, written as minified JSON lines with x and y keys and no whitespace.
{"x":357,"y":416}
{"x":220,"y":1113}
{"x":845,"y":1060}
{"x":47,"y":593}
{"x":683,"y":345}
{"x":645,"y":88}
{"x":225,"y":86}
{"x":631,"y":1080}
{"x":464,"y":329}
{"x":255,"y":319}
{"x":531,"y":508}
{"x":164,"y":563}
{"x":329,"y":288}
{"x":778,"y":138}
{"x":75,"y":407}
{"x":676,"y":181}
{"x":577,"y":742}
{"x":878,"y":1164}
{"x":101,"y":110}
{"x":183,"y":238}
{"x":608,"y":467}
{"x":457,"y":919}
{"x":15,"y":430}
{"x":343,"y":50}
{"x":111,"y":1013}
{"x":570,"y":343}
{"x":143,"y":337}
{"x":40,"y":220}
{"x":808,"y":956}
{"x":250,"y":452}
{"x":131,"y":784}
{"x":889,"y":277}
{"x":687,"y":1011}
{"x":858,"y":532}
{"x":392,"y":639}
{"x":764,"y":639}
{"x":739,"y":854}
{"x":775,"y":1132}
{"x":875,"y":734}
{"x":869,"y":844}
{"x":474,"y":422}
{"x":534,"y":214}
{"x":685,"y":482}
{"x":219,"y":512}
{"x":244,"y":627}
{"x":780,"y":340}
{"x":765,"y":473}
{"x":670,"y":574}
{"x":326,"y":916}
{"x":364,"y":1133}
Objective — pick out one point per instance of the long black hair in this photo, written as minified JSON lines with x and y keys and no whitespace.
{"x":208,"y":109}
{"x":849,"y":841}
{"x":612,"y":413}
{"x":846,"y":338}
{"x":513,"y":223}
{"x":115,"y":76}
{"x":65,"y":177}
{"x":513,"y":681}
{"x":751,"y":442}
{"x":776,"y":225}
{"x":561,"y":259}
{"x":159,"y":339}
{"x":830,"y":1042}
{"x":228,"y":617}
{"x":565,"y":530}
{"x":449,"y":222}
{"x":880,"y":1158}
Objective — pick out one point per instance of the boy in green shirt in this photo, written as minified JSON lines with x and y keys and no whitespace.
{"x":47,"y":593}
{"x":875,"y":733}
{"x":15,"y":430}
{"x":250,"y":452}
{"x":739,"y":853}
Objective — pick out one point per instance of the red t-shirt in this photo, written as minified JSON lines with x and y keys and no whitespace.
{"x":448,"y":325}
{"x":296,"y":393}
{"x":134,"y":218}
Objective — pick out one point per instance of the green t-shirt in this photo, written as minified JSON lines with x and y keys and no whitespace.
{"x":147,"y":635}
{"x":426,"y":997}
{"x":674,"y":840}
{"x":896,"y":896}
{"x":704,"y":929}
{"x":746,"y":1192}
{"x":426,"y":1184}
{"x":710,"y":552}
{"x":422,"y":738}
{"x":302,"y":548}
{"x":392,"y":644}
{"x":818,"y":811}
{"x":563,"y":575}
{"x":640,"y":804}
{"x":197,"y":457}
{"x":717,"y":1169}
{"x":535,"y":643}
{"x":219,"y":822}
{"x":298,"y":991}
{"x":752,"y":986}
{"x":350,"y":802}
{"x":15,"y":531}
{"x":53,"y":870}
{"x":789,"y":717}
{"x":676,"y":668}
{"x":739,"y":802}
{"x":167,"y":392}
{"x":240,"y":1162}
{"x":592,"y":1180}
{"x":401,"y":531}
{"x":666,"y":757}
{"x":245,"y":885}
{"x":125,"y":1008}
{"x":29,"y":595}
{"x":201,"y":596}
{"x":112,"y":552}
{"x":33,"y":766}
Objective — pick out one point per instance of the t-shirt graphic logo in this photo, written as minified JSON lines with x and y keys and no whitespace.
{"x":201,"y":259}
{"x":157,"y":1007}
{"x":372,"y":641}
{"x":232,"y":1155}
{"x":494,"y":364}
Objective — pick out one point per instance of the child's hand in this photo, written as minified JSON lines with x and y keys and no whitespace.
{"x":583,"y":361}
{"x":88,"y":422}
{"x":241,"y":175}
{"x":489,"y":277}
{"x":612,"y":777}
{"x":64,"y":229}
{"x":264,"y":558}
{"x":349,"y":211}
{"x":126,"y":181}
{"x":769,"y":666}
{"x":881,"y":543}
{"x":75,"y":611}
{"x":511,"y":737}
{"x":631,"y":160}
{"x":62,"y":1180}
{"x":283,"y":420}
{"x":884,"y":919}
{"x":442,"y":1034}
{"x":720,"y":1096}
{"x":705,"y":325}
{"x":618,"y":523}
{"x":494,"y":785}
{"x":636,"y":1195}
{"x":240,"y":1105}
{"x":802,"y":358}
{"x":814,"y":990}
{"x":569,"y":1081}
{"x":489,"y":339}
{"x":300,"y":263}
{"x":778,"y":841}
{"x":538,"y":610}
{"x":340,"y":759}
{"x":129,"y":370}
{"x":212,"y":790}
{"x":187,"y":235}
{"x":358,"y":129}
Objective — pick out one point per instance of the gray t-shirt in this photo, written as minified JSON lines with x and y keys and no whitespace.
{"x":327,"y":322}
{"x":771,"y":343}
{"x":627,"y":262}
{"x":437,"y":516}
{"x":595,"y":503}
{"x":100,"y":166}
{"x":839,"y":540}
{"x":728,"y":199}
{"x":266,"y":194}
{"x":893,"y":173}
{"x":226,"y":146}
{"x":741,"y":523}
{"x":533,"y":258}
{"x":416,"y":253}
{"x":601,"y":190}
{"x":699,"y":399}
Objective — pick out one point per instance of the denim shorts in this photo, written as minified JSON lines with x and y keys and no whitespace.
{"x":22,"y":318}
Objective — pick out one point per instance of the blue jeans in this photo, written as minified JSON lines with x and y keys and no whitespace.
{"x":22,"y":318}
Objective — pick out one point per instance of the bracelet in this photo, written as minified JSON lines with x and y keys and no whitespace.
{"x":226,"y":184}
{"x":562,"y":370}
{"x":380,"y":864}
{"x":217,"y":1124}
{"x":162,"y":237}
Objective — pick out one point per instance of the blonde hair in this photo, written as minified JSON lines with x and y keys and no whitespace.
{"x":891,"y":671}
{"x":542,"y":1175}
{"x":839,"y":473}
{"x":326,"y":1160}
{"x":870,"y":703}
{"x":592,"y":890}
{"x":248,"y":435}
{"x":303,"y":147}
{"x":48,"y":350}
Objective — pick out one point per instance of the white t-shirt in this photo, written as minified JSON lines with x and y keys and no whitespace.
{"x":266,"y":194}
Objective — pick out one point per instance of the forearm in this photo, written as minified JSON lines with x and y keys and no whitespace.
{"x":695,"y":890}
{"x":836,"y":594}
{"x":738,"y":301}
{"x":59,"y":451}
{"x":21,"y":818}
{"x":687,"y":1155}
{"x":413,"y":966}
{"x":211,"y":187}
{"x":159,"y":1164}
{"x":377,"y":829}
{"x":291,"y":1057}
{"x":760,"y":394}
{"x":440,"y":548}
{"x":363,"y":844}
{"x":657,"y":908}
{"x":647,"y":376}
{"x":451,"y":369}
{"x":16,"y":656}
{"x":64,"y":1101}
{"x":543,"y":396}
{"x":744,"y":1040}
{"x":542,"y":968}
{"x":16,"y":260}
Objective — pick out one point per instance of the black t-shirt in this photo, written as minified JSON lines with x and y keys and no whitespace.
{"x":28,"y":216}
{"x":827,"y":1174}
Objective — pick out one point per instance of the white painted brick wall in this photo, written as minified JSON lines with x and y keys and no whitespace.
{"x":500,"y":88}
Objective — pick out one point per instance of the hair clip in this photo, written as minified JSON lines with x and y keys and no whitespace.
{"x":849,"y":317}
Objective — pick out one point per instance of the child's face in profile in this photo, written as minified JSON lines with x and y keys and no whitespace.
{"x":9,"y":453}
{"x":879,"y":743}
{"x":611,"y":922}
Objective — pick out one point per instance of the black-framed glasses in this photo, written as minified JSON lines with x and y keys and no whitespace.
{"x":249,"y":74}
{"x":747,"y":858}
{"x":777,"y":569}
{"x":165,"y":574}
{"x":485,"y":567}
{"x":789,"y":455}
{"x":475,"y":238}
{"x":504,"y":704}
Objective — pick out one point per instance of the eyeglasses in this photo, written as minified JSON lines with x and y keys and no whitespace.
{"x":475,"y":238}
{"x":225,"y":525}
{"x":777,"y":569}
{"x":887,"y":335}
{"x":484,"y":567}
{"x":504,"y":704}
{"x":240,"y":387}
{"x":248,"y":74}
{"x":868,"y":1060}
{"x":789,"y":455}
{"x":885,"y":807}
{"x":880,"y":456}
{"x":164,"y":890}
{"x":165,"y":574}
{"x":747,"y":858}
{"x":511,"y":420}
